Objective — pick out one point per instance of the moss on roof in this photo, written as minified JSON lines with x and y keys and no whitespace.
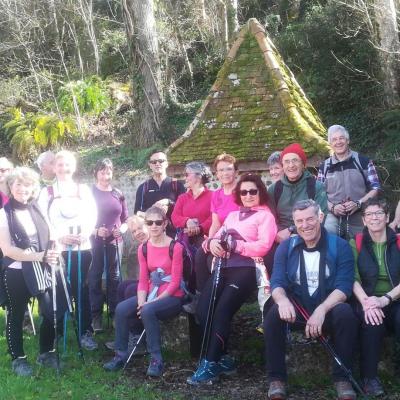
{"x":254,"y":107}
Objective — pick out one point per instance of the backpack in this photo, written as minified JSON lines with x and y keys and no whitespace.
{"x":51,"y":197}
{"x":174,"y":184}
{"x":359,"y":238}
{"x":188,"y":262}
{"x":310,"y":187}
{"x":356,"y":161}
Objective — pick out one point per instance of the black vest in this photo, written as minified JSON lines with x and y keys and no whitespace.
{"x":368,"y":264}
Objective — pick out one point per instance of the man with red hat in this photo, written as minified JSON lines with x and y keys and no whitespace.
{"x":296,"y":184}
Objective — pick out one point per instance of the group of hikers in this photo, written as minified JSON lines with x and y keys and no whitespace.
{"x":320,"y":250}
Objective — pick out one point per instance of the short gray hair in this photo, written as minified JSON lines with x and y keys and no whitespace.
{"x":26,"y":175}
{"x":42,"y":157}
{"x":304,"y":204}
{"x":274,"y":158}
{"x":337,"y":128}
{"x":200,"y":169}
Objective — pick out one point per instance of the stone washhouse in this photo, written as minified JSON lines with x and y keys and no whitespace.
{"x":255,"y":107}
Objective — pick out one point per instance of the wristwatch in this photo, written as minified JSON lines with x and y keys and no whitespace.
{"x":358,"y":203}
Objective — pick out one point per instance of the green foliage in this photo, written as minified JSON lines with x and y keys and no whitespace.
{"x":90,"y":96}
{"x":30,"y":132}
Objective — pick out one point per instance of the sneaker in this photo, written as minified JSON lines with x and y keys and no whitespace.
{"x":97,"y":323}
{"x":21,"y":367}
{"x":48,"y":360}
{"x":372,"y":387}
{"x":156,"y":368}
{"x":277,"y":390}
{"x":227,"y":365}
{"x":110,"y":345}
{"x":345,"y":391}
{"x":87,"y":342}
{"x":117,"y":362}
{"x":141,"y":348}
{"x":208,"y":372}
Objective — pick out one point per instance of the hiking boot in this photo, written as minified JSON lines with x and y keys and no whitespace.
{"x":207,"y":373}
{"x":190,"y":308}
{"x":48,"y":360}
{"x":87,"y":342}
{"x":227,"y":365}
{"x":156,"y":368}
{"x":97,"y":323}
{"x":345,"y":391}
{"x":117,"y":362}
{"x":21,"y":367}
{"x":277,"y":390}
{"x":372,"y":387}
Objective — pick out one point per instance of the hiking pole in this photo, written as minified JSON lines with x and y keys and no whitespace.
{"x":118,"y":258}
{"x":53,"y":266}
{"x":69,"y":282}
{"x":105,"y":267}
{"x":29,"y":309}
{"x":79,"y":295}
{"x":70,"y":311}
{"x":134,"y":349}
{"x":324,"y":341}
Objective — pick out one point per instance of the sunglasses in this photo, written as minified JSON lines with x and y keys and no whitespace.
{"x":251,"y":192}
{"x":158,"y":222}
{"x":157,"y":161}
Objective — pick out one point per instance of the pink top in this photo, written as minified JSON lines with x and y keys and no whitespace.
{"x":258,"y":231}
{"x":158,"y":257}
{"x":187,"y":207}
{"x":222,"y":204}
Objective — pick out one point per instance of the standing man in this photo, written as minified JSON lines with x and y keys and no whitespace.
{"x":315,"y":269}
{"x":160,"y":188}
{"x":350,"y":179}
{"x":296,"y":184}
{"x":45,"y":163}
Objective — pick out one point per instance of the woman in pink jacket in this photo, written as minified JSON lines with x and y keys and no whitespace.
{"x":251,"y":232}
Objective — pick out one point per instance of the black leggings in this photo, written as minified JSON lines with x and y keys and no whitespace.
{"x":202,"y":266}
{"x":234,"y":287}
{"x":18,"y":298}
{"x":86,"y":260}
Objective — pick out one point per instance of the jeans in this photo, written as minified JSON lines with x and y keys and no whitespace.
{"x":151,"y":315}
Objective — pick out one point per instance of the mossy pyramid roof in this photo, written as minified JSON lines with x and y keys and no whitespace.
{"x":254,"y":107}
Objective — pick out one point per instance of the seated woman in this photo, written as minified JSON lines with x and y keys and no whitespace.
{"x":376,"y":288}
{"x":24,"y":235}
{"x":192,"y":209}
{"x":252,"y":230}
{"x":156,"y":300}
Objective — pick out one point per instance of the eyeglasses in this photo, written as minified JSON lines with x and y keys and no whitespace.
{"x":227,"y":169}
{"x":294,"y":161}
{"x":377,"y":214}
{"x":2,"y":170}
{"x":158,"y":222}
{"x":160,"y":161}
{"x":251,"y":192}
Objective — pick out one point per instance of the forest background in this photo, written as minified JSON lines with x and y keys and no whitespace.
{"x":119,"y":77}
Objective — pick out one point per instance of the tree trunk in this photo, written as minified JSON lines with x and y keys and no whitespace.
{"x":143,"y":41}
{"x":389,"y":50}
{"x":233,"y":22}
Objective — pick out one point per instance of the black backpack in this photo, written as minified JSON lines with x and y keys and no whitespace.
{"x":311,"y":189}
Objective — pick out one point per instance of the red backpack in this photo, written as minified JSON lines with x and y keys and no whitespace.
{"x":359,"y":238}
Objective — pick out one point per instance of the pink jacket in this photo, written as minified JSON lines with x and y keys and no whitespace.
{"x":258,"y":231}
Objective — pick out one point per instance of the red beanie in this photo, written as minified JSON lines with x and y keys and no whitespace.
{"x":296,"y":149}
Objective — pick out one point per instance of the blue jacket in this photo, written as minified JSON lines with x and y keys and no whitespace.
{"x":340,"y":263}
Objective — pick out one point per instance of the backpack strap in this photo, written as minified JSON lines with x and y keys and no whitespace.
{"x":144,"y":250}
{"x":174,"y":185}
{"x":278,"y":189}
{"x":356,"y":162}
{"x":311,"y":187}
{"x":171,"y":249}
{"x":359,"y":238}
{"x":144,"y":190}
{"x":327,"y":166}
